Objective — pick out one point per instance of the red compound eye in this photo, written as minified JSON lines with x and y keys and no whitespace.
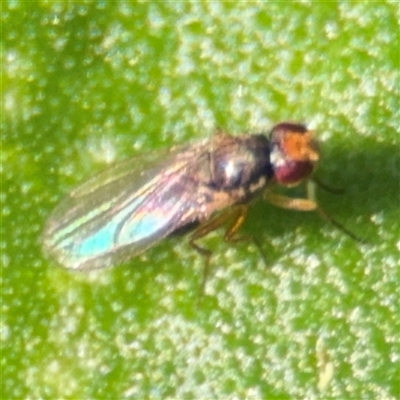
{"x":294,"y":153}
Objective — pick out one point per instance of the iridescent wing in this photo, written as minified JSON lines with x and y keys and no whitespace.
{"x":126,"y":209}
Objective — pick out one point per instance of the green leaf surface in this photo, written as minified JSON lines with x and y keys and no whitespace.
{"x":88,"y":83}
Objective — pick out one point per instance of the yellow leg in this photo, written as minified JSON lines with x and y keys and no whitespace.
{"x":230,"y":234}
{"x":306,"y":205}
{"x":240,"y":217}
{"x":290,"y":203}
{"x":238,"y":214}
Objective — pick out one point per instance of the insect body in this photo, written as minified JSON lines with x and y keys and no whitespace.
{"x":133,"y":205}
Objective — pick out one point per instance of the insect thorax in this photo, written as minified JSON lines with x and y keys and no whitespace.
{"x":240,"y":164}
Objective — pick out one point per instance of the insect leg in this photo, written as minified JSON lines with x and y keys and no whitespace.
{"x":238,"y":214}
{"x":290,"y":203}
{"x":326,"y":187}
{"x":241,"y":212}
{"x":300,"y":204}
{"x":230,"y":234}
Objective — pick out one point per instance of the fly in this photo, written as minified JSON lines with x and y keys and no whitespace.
{"x":136,"y":203}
